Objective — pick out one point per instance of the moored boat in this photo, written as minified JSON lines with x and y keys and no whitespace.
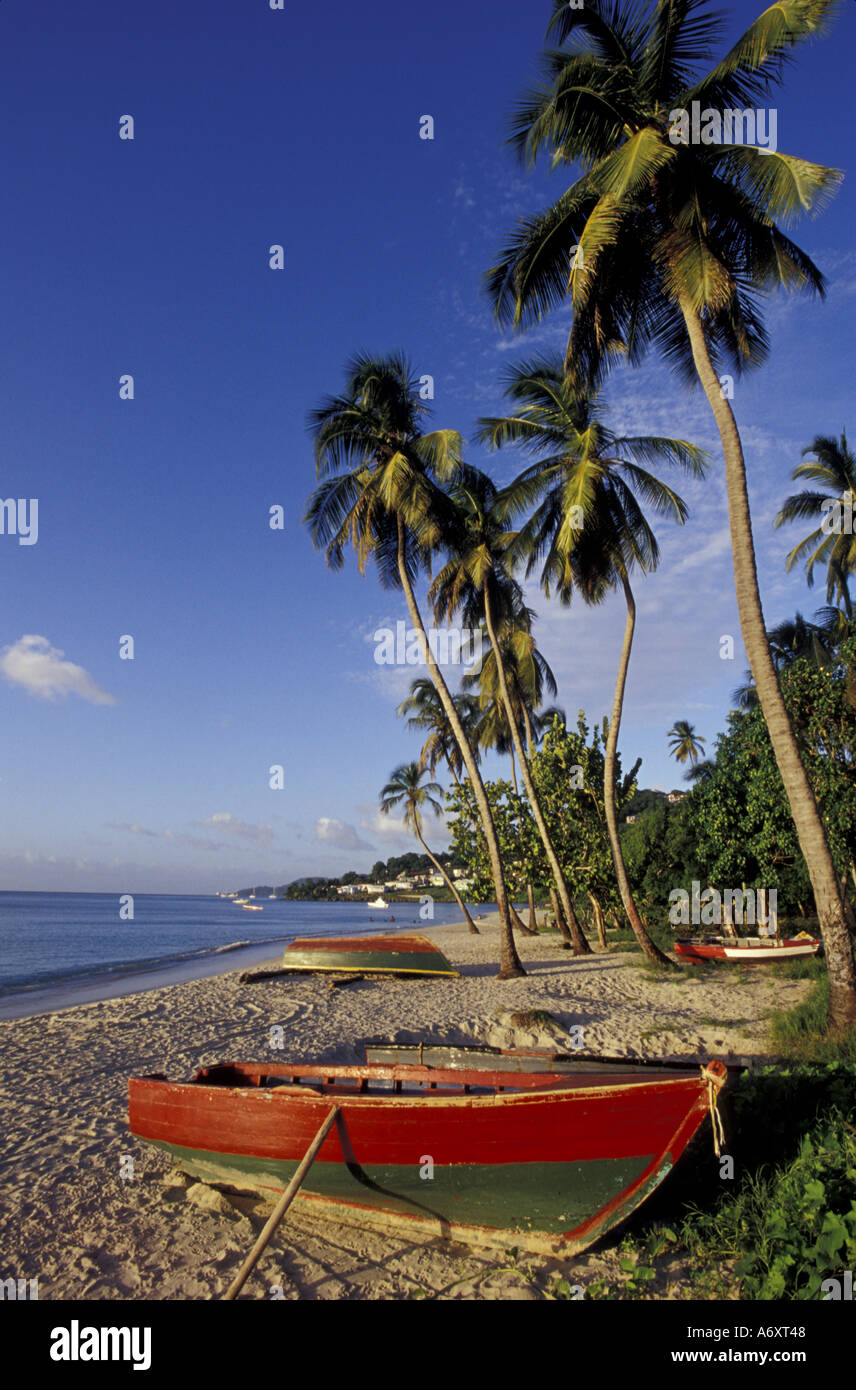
{"x":382,"y":954}
{"x":378,"y":902}
{"x":550,"y":1161}
{"x":760,"y":949}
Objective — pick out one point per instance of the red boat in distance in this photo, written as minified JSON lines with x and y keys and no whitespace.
{"x":762,"y":950}
{"x":547,"y":1161}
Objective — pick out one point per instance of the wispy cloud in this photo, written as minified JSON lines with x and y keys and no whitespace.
{"x":133,"y":829}
{"x":228,"y":824}
{"x":175,"y":837}
{"x":40,"y":669}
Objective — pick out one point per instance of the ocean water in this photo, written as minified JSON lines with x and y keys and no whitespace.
{"x":61,"y":949}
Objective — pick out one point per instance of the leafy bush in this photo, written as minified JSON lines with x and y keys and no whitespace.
{"x":787,"y":1229}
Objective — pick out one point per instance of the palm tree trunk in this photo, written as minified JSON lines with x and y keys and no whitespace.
{"x":581,"y":946}
{"x":509,"y":961}
{"x":515,"y":915}
{"x":801,"y":798}
{"x":447,"y":879}
{"x":647,"y":945}
{"x":598,"y":919}
{"x":533,"y":916}
{"x":530,"y":745}
{"x":559,"y":915}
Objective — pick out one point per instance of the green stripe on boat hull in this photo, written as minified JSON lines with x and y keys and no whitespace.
{"x":549,"y":1198}
{"x":399,"y":962}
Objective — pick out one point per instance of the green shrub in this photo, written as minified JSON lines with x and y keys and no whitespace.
{"x":788,"y":1228}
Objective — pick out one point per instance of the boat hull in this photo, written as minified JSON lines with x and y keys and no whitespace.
{"x":763,"y":952}
{"x":549,"y":1162}
{"x":385,"y":955}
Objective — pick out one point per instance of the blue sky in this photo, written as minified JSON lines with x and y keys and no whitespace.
{"x":300,"y":127}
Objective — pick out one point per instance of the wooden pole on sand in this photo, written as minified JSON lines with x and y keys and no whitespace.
{"x":281,"y":1207}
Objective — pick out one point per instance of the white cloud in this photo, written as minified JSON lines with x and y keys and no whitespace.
{"x":33,"y":663}
{"x":339,"y":834}
{"x":395,"y":833}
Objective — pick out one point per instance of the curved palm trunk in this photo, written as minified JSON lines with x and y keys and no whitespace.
{"x":447,"y":879}
{"x":518,"y":921}
{"x":581,"y":946}
{"x":509,"y":961}
{"x":515,"y":915}
{"x":559,"y":915}
{"x":530,"y":892}
{"x":647,"y":945}
{"x":801,"y":798}
{"x":598,"y":919}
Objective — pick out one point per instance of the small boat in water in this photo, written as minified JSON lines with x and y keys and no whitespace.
{"x":760,"y":949}
{"x":551,"y":1162}
{"x":378,"y":902}
{"x":383,"y":954}
{"x":252,"y":907}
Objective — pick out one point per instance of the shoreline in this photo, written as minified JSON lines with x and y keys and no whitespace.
{"x":57,"y":996}
{"x":95,"y":1214}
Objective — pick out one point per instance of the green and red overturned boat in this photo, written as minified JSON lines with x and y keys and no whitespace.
{"x":384,"y":954}
{"x":550,"y":1161}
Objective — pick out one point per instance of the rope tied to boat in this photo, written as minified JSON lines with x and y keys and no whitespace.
{"x":715,"y":1079}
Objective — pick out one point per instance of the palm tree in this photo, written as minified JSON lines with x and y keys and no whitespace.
{"x":380,"y":493}
{"x":796,"y":639}
{"x":685,"y":742}
{"x":426,"y":713}
{"x":588,"y":523}
{"x":406,"y":787}
{"x":833,"y":467}
{"x":475,"y":582}
{"x":663,"y":241}
{"x":527,"y":674}
{"x":700,"y":770}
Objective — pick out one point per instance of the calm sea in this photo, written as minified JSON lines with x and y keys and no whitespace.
{"x":61,"y":949}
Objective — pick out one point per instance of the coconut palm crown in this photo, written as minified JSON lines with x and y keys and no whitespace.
{"x":832,"y":467}
{"x":685,"y":742}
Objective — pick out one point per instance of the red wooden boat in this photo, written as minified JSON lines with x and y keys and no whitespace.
{"x":761,"y":949}
{"x":549,"y":1161}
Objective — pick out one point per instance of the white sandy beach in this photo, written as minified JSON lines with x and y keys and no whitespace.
{"x":70,"y":1219}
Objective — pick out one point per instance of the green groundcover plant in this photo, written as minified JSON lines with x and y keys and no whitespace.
{"x":790,"y":1223}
